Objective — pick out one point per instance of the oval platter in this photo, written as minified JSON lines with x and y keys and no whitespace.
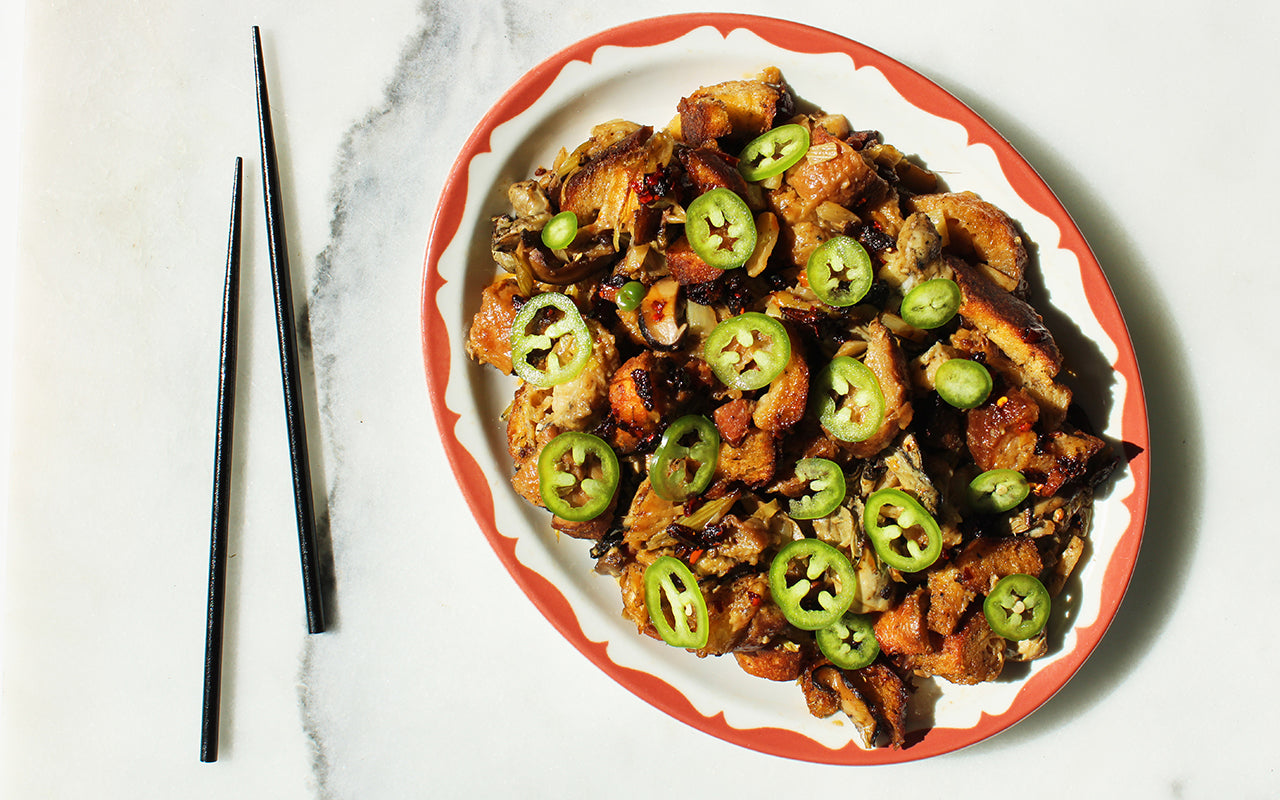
{"x":639,"y":71}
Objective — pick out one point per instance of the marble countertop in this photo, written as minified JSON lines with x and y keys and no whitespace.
{"x":1152,"y":129}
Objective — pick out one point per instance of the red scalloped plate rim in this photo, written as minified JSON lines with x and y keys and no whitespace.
{"x":552,"y":603}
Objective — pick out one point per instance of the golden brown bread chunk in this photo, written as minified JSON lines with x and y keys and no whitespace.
{"x":603,"y":189}
{"x":637,"y":395}
{"x":730,"y":608}
{"x":489,"y":339}
{"x":774,"y":664}
{"x":1001,"y":434}
{"x":974,"y":572}
{"x":976,"y":228}
{"x":948,"y":599}
{"x":885,"y":359}
{"x":686,"y":266}
{"x":985,"y":561}
{"x":972,"y":654}
{"x":830,"y":171}
{"x":1053,"y":398}
{"x":708,"y":169}
{"x":733,"y":110}
{"x":785,"y":401}
{"x":1012,"y":324}
{"x":901,"y":630}
{"x":752,"y":462}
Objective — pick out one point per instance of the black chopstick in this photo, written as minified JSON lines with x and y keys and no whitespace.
{"x":282,"y":289}
{"x":221,"y":485}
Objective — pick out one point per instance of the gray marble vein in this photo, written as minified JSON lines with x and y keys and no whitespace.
{"x":363,"y":314}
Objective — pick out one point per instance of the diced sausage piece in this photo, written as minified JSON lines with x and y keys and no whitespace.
{"x":733,"y":420}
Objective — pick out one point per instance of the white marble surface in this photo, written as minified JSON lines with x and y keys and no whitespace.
{"x":438,"y":678}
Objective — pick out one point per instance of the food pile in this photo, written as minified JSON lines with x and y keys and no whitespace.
{"x":794,"y":393}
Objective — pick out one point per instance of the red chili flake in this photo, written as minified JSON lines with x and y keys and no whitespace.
{"x":651,"y":186}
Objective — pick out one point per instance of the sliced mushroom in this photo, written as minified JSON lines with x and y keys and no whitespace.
{"x":662,"y":315}
{"x":547,"y":268}
{"x":829,"y":679}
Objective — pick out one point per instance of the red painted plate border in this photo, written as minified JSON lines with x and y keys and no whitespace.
{"x":926,"y":95}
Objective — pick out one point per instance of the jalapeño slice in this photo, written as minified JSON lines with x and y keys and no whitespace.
{"x":848,"y":399}
{"x":685,"y":460}
{"x":826,"y":482}
{"x":963,"y":383}
{"x":748,"y":351}
{"x":773,"y":152}
{"x":1018,"y":607}
{"x":839,"y":271}
{"x":550,"y":342}
{"x":903,"y":533}
{"x":720,"y":228}
{"x":931,"y":304}
{"x":997,"y":490}
{"x":668,"y":579}
{"x":819,"y":590}
{"x":850,"y":642}
{"x":577,"y":476}
{"x":560,"y":230}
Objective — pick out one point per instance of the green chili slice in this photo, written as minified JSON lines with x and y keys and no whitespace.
{"x":850,"y":642}
{"x":668,"y":579}
{"x":839,"y":271}
{"x":1018,"y":607}
{"x":997,"y":490}
{"x":720,"y":228}
{"x":577,"y":476}
{"x":748,"y":351}
{"x":685,"y":460}
{"x":825,"y":480}
{"x":773,"y":152}
{"x":630,"y":295}
{"x":819,"y":588}
{"x":560,"y":230}
{"x":550,"y":342}
{"x":903,"y":533}
{"x":963,"y":383}
{"x":848,"y":399}
{"x":931,"y":304}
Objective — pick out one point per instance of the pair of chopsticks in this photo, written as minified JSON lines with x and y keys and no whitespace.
{"x":295,"y":419}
